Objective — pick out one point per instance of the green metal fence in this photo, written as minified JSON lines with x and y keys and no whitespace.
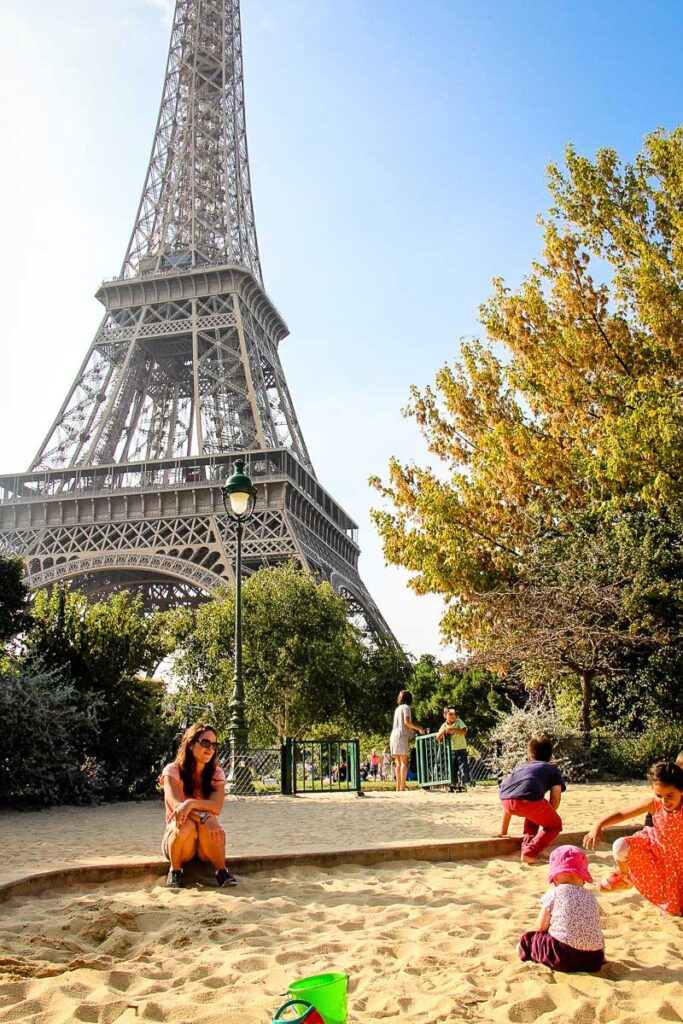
{"x":320,"y":766}
{"x":257,"y":769}
{"x":434,"y":766}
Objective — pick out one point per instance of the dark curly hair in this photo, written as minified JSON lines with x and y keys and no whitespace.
{"x":187,"y":762}
{"x":668,"y":773}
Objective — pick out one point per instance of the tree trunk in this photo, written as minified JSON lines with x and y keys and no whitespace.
{"x":587,"y":678}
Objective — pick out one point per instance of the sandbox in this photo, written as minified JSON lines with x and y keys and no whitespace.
{"x":422,"y":942}
{"x":425,"y":938}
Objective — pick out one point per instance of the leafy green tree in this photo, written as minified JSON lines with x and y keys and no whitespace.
{"x":302,"y":658}
{"x":383,"y":671}
{"x":575,"y":394}
{"x":103,"y":649}
{"x":97,"y":644}
{"x":479,"y":696}
{"x":13,"y":597}
{"x":593,"y":601}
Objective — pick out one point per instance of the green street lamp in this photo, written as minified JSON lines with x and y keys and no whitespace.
{"x":239,"y":498}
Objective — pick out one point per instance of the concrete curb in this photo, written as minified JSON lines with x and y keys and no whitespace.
{"x":459,"y":849}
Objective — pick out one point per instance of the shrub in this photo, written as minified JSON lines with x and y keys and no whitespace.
{"x":135,"y":739}
{"x":46,"y":725}
{"x":509,"y":739}
{"x":630,"y":756}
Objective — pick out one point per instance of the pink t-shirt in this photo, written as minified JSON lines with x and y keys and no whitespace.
{"x":172,"y":771}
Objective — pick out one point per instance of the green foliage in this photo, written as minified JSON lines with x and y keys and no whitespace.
{"x":510,"y":737}
{"x":383,"y":671}
{"x":135,"y":737}
{"x":46,"y":725}
{"x":630,"y":756}
{"x":100,"y":648}
{"x":13,"y":597}
{"x":612,"y":750}
{"x":648,"y":689}
{"x":301,"y":656}
{"x":305,"y":667}
{"x":585,"y":401}
{"x":596,"y":598}
{"x":97,"y":644}
{"x":553,"y":527}
{"x":478,"y":696}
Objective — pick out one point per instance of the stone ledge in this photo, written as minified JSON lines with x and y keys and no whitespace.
{"x":458,"y":849}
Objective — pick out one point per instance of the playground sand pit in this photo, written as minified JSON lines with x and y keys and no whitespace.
{"x":421,"y":943}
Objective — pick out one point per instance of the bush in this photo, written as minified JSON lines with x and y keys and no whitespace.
{"x":135,"y":739}
{"x":630,"y":756}
{"x":61,"y":746}
{"x":622,"y":754}
{"x":46,"y":725}
{"x":510,"y":737}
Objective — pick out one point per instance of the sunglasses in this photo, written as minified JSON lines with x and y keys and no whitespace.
{"x":207,"y":744}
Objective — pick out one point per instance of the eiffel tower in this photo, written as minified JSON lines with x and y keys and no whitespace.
{"x":182,"y":377}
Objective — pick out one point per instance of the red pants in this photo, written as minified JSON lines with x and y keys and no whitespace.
{"x":537,"y":814}
{"x":544,"y":949}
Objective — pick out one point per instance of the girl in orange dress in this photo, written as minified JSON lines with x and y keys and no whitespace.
{"x":652,"y":859}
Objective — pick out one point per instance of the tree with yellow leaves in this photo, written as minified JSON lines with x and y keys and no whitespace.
{"x":573,"y":399}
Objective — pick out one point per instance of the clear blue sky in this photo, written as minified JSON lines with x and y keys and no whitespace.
{"x":397,"y":154}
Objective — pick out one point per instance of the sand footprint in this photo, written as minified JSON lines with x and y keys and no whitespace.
{"x":531,"y":1009}
{"x":120,"y":980}
{"x":13,"y":992}
{"x":251,"y":963}
{"x":95,"y":1013}
{"x":152,"y":1011}
{"x":214,"y":981}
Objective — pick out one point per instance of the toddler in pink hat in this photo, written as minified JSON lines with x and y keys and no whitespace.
{"x":568,"y":934}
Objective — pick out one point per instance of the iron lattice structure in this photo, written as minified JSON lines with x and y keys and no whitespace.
{"x":183,"y":375}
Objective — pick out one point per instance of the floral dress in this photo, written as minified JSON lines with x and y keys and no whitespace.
{"x":655,"y":860}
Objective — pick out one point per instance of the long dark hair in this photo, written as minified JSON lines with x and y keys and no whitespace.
{"x":187,"y":762}
{"x":405,"y":697}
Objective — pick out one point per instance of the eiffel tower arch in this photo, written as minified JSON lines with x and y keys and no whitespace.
{"x":183,"y":376}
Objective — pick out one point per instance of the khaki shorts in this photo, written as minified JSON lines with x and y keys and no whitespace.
{"x":167,"y":835}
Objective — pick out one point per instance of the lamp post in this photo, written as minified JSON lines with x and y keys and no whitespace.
{"x":239,"y":498}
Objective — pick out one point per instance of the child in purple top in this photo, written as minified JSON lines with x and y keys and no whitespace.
{"x":568,"y":933}
{"x":522,"y":794}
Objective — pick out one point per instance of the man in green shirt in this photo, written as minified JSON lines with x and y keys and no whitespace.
{"x":457,"y":730}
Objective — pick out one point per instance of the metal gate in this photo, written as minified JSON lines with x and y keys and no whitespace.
{"x":320,"y":766}
{"x":435,"y":765}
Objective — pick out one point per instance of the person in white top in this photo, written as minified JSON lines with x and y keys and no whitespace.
{"x":568,"y":933}
{"x":399,"y":741}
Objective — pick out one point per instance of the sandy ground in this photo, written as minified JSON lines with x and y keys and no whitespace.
{"x":421,"y":942}
{"x":39,"y":840}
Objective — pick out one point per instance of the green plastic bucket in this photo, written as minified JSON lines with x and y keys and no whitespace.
{"x":327,"y":992}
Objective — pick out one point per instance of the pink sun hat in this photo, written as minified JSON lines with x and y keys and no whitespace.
{"x":569,"y":860}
